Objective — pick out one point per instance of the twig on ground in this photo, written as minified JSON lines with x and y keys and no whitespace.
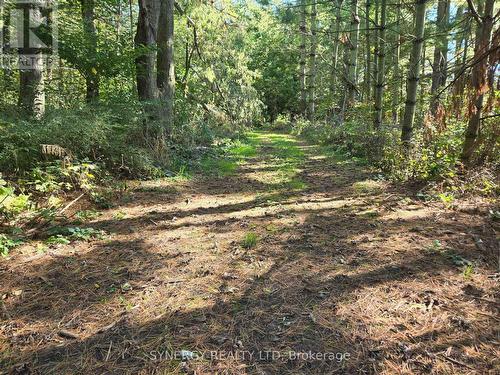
{"x":71,"y":203}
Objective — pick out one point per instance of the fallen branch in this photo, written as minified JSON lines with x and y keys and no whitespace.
{"x":71,"y":203}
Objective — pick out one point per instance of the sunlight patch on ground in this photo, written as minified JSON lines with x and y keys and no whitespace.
{"x":368,"y":187}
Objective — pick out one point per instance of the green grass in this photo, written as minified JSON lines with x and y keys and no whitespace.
{"x":244,"y":148}
{"x":288,"y":158}
{"x":218,"y":167}
{"x":296,"y":184}
{"x":250,"y":240}
{"x":231,"y":154}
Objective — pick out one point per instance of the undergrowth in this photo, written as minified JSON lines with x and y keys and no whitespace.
{"x":434,"y":157}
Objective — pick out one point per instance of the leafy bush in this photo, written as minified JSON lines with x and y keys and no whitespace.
{"x":65,"y":235}
{"x":6,"y":244}
{"x":282,"y":122}
{"x":10,"y":202}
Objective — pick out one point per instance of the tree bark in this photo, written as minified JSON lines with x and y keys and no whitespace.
{"x":312,"y":66}
{"x":368,"y":70}
{"x":413,"y":74}
{"x":145,"y":41}
{"x":336,"y":43}
{"x":440,"y":53}
{"x":461,"y":42}
{"x":479,"y":78}
{"x":31,"y":78}
{"x":302,"y":62}
{"x":165,"y":62}
{"x":353,"y":54}
{"x":397,"y":74}
{"x":379,"y":88}
{"x":376,"y":46}
{"x":91,"y":74}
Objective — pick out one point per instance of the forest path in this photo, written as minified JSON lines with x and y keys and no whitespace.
{"x":282,"y":247}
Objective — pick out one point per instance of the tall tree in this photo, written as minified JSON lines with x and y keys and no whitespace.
{"x":368,"y":69}
{"x":379,"y":88}
{"x":376,"y":46}
{"x":352,"y":71}
{"x":302,"y":62}
{"x":312,"y":65}
{"x":462,"y":22}
{"x":31,"y":78}
{"x":413,"y":74}
{"x":396,"y":86}
{"x":440,"y":53}
{"x":165,"y":62}
{"x":145,"y":42}
{"x":336,"y":45}
{"x":479,"y":76}
{"x":91,"y":74}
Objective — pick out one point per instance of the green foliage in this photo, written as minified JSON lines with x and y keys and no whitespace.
{"x":282,"y":122}
{"x":355,"y":137}
{"x":65,"y":235}
{"x":10,"y":202}
{"x":242,"y":150}
{"x":434,"y":155}
{"x":218,"y":167}
{"x":250,"y":240}
{"x":86,"y":215}
{"x":468,"y":271}
{"x":84,"y":234}
{"x":430,"y":157}
{"x":434,"y":247}
{"x":57,"y":239}
{"x":446,"y":198}
{"x":7,"y":244}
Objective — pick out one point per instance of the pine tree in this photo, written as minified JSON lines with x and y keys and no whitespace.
{"x":413,"y":74}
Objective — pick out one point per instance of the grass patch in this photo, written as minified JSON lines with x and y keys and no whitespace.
{"x":243,"y":151}
{"x":296,"y":184}
{"x":250,"y":240}
{"x":218,"y":167}
{"x":287,"y":159}
{"x":368,"y":187}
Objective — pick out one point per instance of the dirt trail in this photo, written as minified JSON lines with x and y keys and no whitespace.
{"x":295,"y":251}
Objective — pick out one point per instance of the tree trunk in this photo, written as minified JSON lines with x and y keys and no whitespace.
{"x":440,"y":53}
{"x":31,"y":83}
{"x":91,"y":75}
{"x":312,"y":65}
{"x":353,"y":54}
{"x":375,"y":49}
{"x":336,"y":43}
{"x":145,"y":41}
{"x":397,"y":73}
{"x":413,"y":74}
{"x":479,"y":78}
{"x":302,"y":62}
{"x":379,"y":88}
{"x":461,"y":41}
{"x":368,"y":70}
{"x":460,"y":38}
{"x":165,"y":62}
